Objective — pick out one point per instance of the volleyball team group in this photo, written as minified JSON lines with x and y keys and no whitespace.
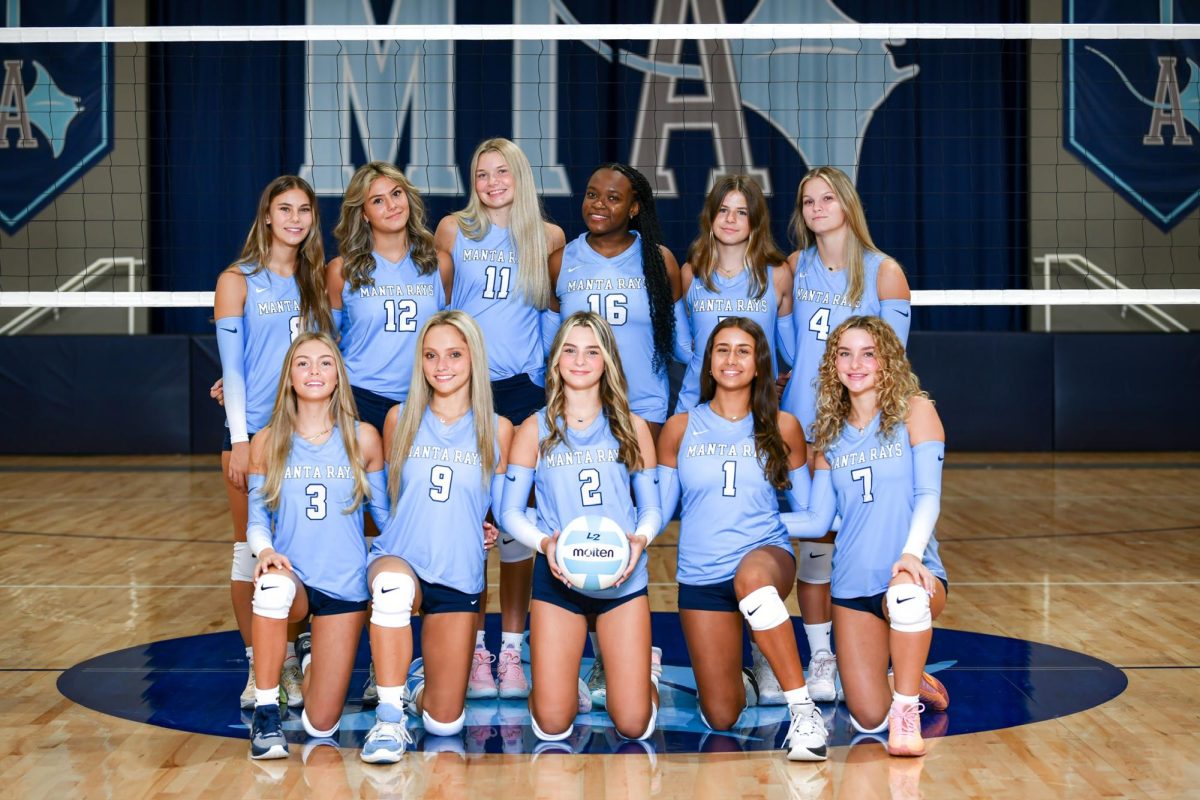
{"x":479,"y":386}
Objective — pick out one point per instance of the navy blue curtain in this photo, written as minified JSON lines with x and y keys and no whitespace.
{"x":942,"y":170}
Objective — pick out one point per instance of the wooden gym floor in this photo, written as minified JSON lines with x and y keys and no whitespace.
{"x":1094,"y":553}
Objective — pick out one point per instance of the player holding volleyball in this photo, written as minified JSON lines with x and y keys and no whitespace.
{"x":838,"y":272}
{"x":312,"y":469}
{"x":582,"y":454}
{"x":499,"y":246}
{"x":728,"y":456}
{"x":275,"y":289}
{"x":446,"y":454}
{"x":386,"y":281}
{"x":879,"y":452}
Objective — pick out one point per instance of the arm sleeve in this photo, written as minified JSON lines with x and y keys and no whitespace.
{"x":669,"y":491}
{"x":337,"y":314}
{"x":649,"y":505}
{"x":380,"y":504}
{"x":231,"y":346}
{"x":497,"y":493}
{"x":928,"y":458}
{"x":799,"y":493}
{"x":785,"y":338}
{"x":258,"y":526}
{"x":550,"y":321}
{"x":518,"y":482}
{"x":813,"y":522}
{"x":683,"y":333}
{"x":898,"y":314}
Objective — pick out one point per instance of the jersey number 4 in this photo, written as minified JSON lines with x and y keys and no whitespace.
{"x":818,"y":323}
{"x":400,"y":315}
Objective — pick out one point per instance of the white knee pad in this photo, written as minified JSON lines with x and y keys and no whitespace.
{"x":815,"y":564}
{"x":273,"y":595}
{"x":315,"y":732}
{"x":550,"y":737}
{"x":908,"y":608}
{"x":392,"y":595}
{"x":435,"y":728}
{"x":878,"y":729}
{"x":243,"y":563}
{"x":512,"y":551}
{"x":764,"y":609}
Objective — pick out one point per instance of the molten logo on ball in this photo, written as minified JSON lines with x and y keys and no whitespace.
{"x":592,"y":552}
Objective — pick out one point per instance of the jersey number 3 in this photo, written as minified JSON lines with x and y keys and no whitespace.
{"x":316,"y":501}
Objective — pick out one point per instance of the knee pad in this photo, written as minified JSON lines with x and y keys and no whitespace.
{"x":858,"y":726}
{"x":435,"y":728}
{"x":315,"y":732}
{"x":908,"y":608}
{"x":242,"y":568}
{"x":512,"y":551}
{"x":549,"y":737}
{"x":392,"y":595}
{"x":763,"y":609}
{"x":815,"y":564}
{"x":273,"y":595}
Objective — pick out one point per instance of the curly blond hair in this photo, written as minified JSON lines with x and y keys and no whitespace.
{"x":895,"y":383}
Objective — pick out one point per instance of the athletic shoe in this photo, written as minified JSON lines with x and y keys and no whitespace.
{"x":414,"y":684}
{"x":481,"y":685}
{"x":750,"y":684}
{"x":805,"y":739}
{"x":822,"y":677}
{"x":388,"y":737}
{"x":904,"y":730}
{"x":370,"y":693}
{"x":597,"y":684}
{"x":585,"y":698}
{"x":513,"y":685}
{"x":266,"y":734}
{"x":655,"y":665}
{"x":291,"y":683}
{"x":933,"y":694}
{"x":770,"y":693}
{"x":304,"y":651}
{"x":247,"y":699}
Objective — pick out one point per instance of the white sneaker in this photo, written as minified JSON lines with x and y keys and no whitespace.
{"x":822,"y":677}
{"x":388,"y":738}
{"x":597,"y":683}
{"x":291,"y":683}
{"x":806,"y":736}
{"x":770,"y":693}
{"x":248,"y":693}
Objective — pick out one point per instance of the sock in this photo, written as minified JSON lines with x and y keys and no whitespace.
{"x":797,"y":696}
{"x":595,"y":640}
{"x":819,"y":637}
{"x":508,"y":639}
{"x":905,"y":699}
{"x":291,"y":650}
{"x":266,"y":697}
{"x":249,"y":653}
{"x":479,"y":645}
{"x":392,"y":696}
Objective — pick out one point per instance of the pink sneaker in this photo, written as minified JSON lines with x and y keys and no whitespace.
{"x":513,"y":685}
{"x":481,"y":685}
{"x":904,"y":730}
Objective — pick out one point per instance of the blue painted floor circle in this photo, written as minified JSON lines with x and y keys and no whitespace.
{"x":192,"y":684}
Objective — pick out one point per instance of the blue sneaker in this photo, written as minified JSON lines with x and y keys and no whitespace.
{"x":414,"y":684}
{"x":388,"y":738}
{"x":266,"y":734}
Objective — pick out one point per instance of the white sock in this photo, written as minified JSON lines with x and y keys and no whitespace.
{"x":266,"y":697}
{"x":291,"y":650}
{"x":479,"y":645}
{"x":508,"y":639}
{"x":819,"y":637}
{"x":392,"y":695}
{"x":595,"y":640}
{"x":250,"y":653}
{"x":906,"y":699}
{"x":797,"y":696}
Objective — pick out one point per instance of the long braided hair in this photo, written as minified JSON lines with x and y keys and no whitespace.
{"x":654,"y":268}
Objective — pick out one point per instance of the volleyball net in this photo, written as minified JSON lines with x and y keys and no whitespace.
{"x":1025,"y":176}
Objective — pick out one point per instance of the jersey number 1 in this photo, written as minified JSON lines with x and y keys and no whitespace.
{"x":497,"y":279}
{"x":400,"y":315}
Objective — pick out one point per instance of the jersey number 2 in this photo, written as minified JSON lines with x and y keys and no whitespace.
{"x":589,"y":487}
{"x":400,"y":315}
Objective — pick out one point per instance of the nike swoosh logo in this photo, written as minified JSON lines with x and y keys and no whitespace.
{"x":941,"y":458}
{"x":230,"y":330}
{"x":385,"y":591}
{"x":577,"y":266}
{"x":801,"y":274}
{"x":512,"y":478}
{"x":755,"y":611}
{"x":507,"y":540}
{"x":902,"y":313}
{"x":265,"y":588}
{"x":259,"y":289}
{"x":699,"y":433}
{"x":816,"y":555}
{"x":902,"y":600}
{"x":474,"y":602}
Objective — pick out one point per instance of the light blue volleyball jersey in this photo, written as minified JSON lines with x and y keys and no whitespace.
{"x":584,"y":475}
{"x":437,"y":524}
{"x":615,"y":288}
{"x":324,"y":544}
{"x":729,"y":506}
{"x":820,"y":305}
{"x":380,"y":324}
{"x":485,"y":286}
{"x":271,"y":318}
{"x":873,"y":482}
{"x":706,"y":308}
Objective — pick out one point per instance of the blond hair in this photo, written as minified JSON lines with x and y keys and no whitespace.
{"x":342,"y":414}
{"x":420,"y":393}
